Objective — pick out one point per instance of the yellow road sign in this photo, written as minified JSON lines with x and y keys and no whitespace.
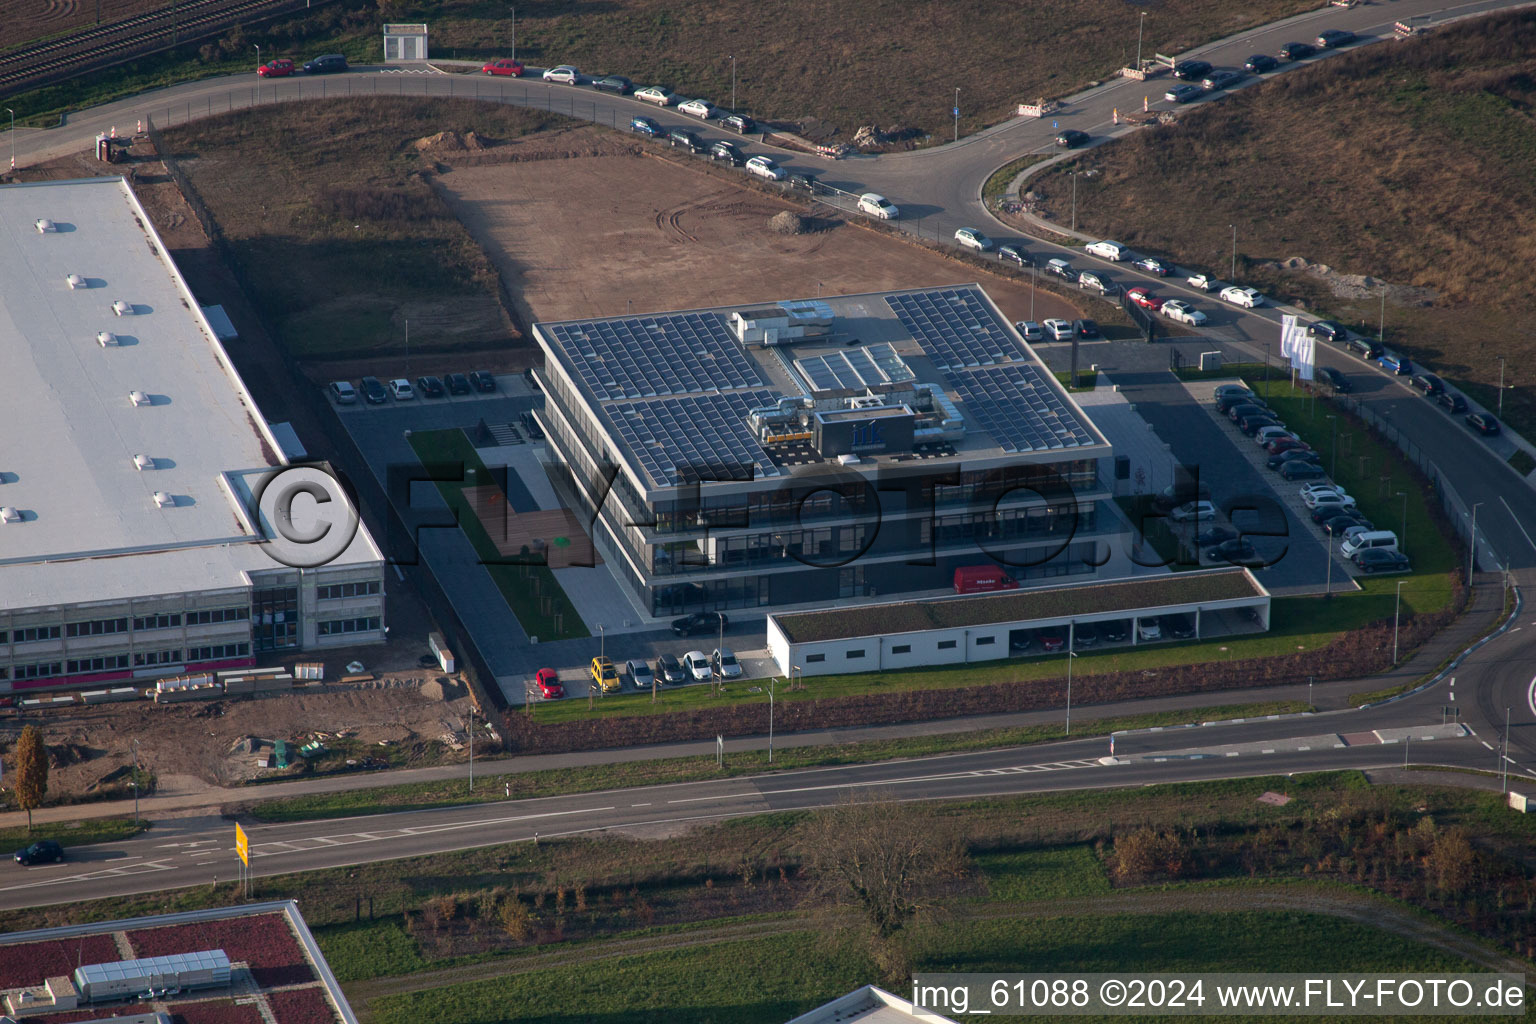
{"x":242,"y":845}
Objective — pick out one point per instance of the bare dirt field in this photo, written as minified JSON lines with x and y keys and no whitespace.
{"x":615,"y":232}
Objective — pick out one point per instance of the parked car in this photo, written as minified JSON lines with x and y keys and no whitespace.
{"x":1221,"y":80}
{"x":1333,"y":38}
{"x":1297,"y":51}
{"x":1451,"y":402}
{"x":1378,"y":560}
{"x":739,"y":123}
{"x":1323,"y":488}
{"x":1114,"y":632}
{"x":1204,"y":282}
{"x":1237,"y":551}
{"x":642,"y":125}
{"x":696,"y":108}
{"x":726,"y":153}
{"x":1183,"y":92}
{"x":685,"y":138}
{"x":657,"y":94}
{"x":1100,"y":284}
{"x":506,"y":66}
{"x":765,"y":168}
{"x":343,"y":392}
{"x":617,"y":84}
{"x":1060,"y":268}
{"x":700,"y":622}
{"x":458,"y":384}
{"x":1052,"y":641}
{"x":1058,"y":329}
{"x":1365,"y":348}
{"x":970,"y":238}
{"x":1182,"y":492}
{"x":1337,"y":525}
{"x":1252,"y":424}
{"x":1334,"y":379}
{"x":1013,"y":252}
{"x":1223,"y":390}
{"x":724,"y":663}
{"x":1087,"y":330}
{"x":1029,"y":330}
{"x":671,"y":670}
{"x":1237,"y":410}
{"x":1427,"y":383}
{"x":44,"y":851}
{"x":1019,"y":641}
{"x":1215,"y":533}
{"x":1153,"y":265}
{"x":548,"y":682}
{"x":696,"y":664}
{"x":1071,"y":138}
{"x":604,"y":676}
{"x":640,"y":674}
{"x":564,"y":73}
{"x":483,"y":380}
{"x":1292,"y":455}
{"x":1260,"y":63}
{"x":1328,"y":330}
{"x":1183,"y":312}
{"x":282,"y":67}
{"x":1483,"y":423}
{"x":803,"y":180}
{"x":1149,"y":629}
{"x":1264,"y":435}
{"x":1300,"y":470}
{"x":1143,"y":298}
{"x":431,"y":387}
{"x":1180,"y":627}
{"x":1106,"y":250}
{"x":1084,"y":635}
{"x":1199,"y":511}
{"x":1248,"y":298}
{"x":1395,"y":362}
{"x":876,"y":205}
{"x":1191,"y":70}
{"x":374,"y":391}
{"x":326,"y":63}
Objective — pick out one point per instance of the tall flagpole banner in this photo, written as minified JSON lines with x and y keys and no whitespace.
{"x":1298,"y":346}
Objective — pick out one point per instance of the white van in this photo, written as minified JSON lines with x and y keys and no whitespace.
{"x":1106,"y":250}
{"x":1384,"y":539}
{"x":876,"y":205}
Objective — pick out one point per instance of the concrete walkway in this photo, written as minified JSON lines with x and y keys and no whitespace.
{"x":1482,"y":612}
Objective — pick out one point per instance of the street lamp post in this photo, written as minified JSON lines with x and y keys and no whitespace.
{"x":1034,"y":275}
{"x":1234,"y":254}
{"x":1071,"y":655}
{"x":1501,"y":358}
{"x":602,"y":641}
{"x":1328,"y":555}
{"x":770,"y":720}
{"x":1139,"y":31}
{"x":471,"y":748}
{"x":1382,"y":329}
{"x":733,"y":82}
{"x":957,"y":115}
{"x":1396,"y":618}
{"x":1472,"y":546}
{"x":1074,"y":201}
{"x":135,"y":745}
{"x":258,"y":71}
{"x":1504,"y":761}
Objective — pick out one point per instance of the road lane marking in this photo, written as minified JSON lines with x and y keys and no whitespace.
{"x":1516,"y":518}
{"x":1266,"y":751}
{"x":1530,"y":697}
{"x":1487,"y":744}
{"x":1299,"y":749}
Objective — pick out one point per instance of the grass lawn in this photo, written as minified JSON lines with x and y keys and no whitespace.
{"x":335,"y":231}
{"x":72,"y":833}
{"x":1051,"y":873}
{"x":770,"y":980}
{"x":1364,"y":189}
{"x":530,"y":590}
{"x":386,"y":799}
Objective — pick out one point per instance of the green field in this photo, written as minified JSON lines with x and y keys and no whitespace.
{"x":530,"y":589}
{"x":84,"y":832}
{"x":552,"y":782}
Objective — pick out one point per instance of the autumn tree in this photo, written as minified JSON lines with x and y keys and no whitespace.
{"x":31,"y":771}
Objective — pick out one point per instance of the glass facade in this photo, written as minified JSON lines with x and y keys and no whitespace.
{"x":275,"y":618}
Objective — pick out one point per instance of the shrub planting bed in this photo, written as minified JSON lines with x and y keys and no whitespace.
{"x":32,"y":963}
{"x":301,"y":1006}
{"x":264,"y":942}
{"x":216,"y":1011}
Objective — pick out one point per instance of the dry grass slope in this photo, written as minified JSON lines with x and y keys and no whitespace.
{"x":1408,"y":161}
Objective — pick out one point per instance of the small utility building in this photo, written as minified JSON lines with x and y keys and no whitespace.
{"x":959,"y":630}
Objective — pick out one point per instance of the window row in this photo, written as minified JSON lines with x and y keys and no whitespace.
{"x":107,"y":663}
{"x":103,"y":627}
{"x":365,"y":588}
{"x":336,"y":627}
{"x":218,"y":652}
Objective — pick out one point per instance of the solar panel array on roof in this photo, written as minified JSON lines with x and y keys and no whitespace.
{"x":954,"y":326}
{"x":1020,"y":408}
{"x":699,"y":438}
{"x":644,"y":357}
{"x":854,"y":369}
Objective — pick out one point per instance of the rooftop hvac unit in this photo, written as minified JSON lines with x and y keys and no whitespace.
{"x":163,"y":499}
{"x":122,"y":307}
{"x":143,"y":462}
{"x":75,"y":281}
{"x":105,"y":338}
{"x":9,"y":514}
{"x":44,"y":225}
{"x":138,"y":398}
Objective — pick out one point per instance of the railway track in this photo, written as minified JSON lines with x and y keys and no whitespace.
{"x":102,"y":46}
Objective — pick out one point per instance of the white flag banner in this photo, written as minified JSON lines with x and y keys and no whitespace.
{"x":1288,"y":332}
{"x":1304,"y":355}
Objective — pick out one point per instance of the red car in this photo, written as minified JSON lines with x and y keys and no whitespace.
{"x":1052,"y":642}
{"x":1280,"y":445}
{"x":1144,"y":299}
{"x":282,"y":67}
{"x":505,"y":66}
{"x":549,"y":684}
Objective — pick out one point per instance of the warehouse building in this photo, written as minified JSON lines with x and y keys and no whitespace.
{"x":134,"y":542}
{"x":802,"y":451}
{"x":960,"y":630}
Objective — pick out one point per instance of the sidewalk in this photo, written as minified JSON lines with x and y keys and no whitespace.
{"x":1487,"y":602}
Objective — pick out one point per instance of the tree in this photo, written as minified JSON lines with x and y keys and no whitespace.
{"x":31,"y":771}
{"x":889,"y":861}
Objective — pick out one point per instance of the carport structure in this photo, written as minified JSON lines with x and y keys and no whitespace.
{"x":960,"y":630}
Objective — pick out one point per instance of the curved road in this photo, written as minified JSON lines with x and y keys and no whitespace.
{"x":941,"y":187}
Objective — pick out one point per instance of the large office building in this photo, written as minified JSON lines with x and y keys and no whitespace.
{"x":133,"y":462}
{"x":809,"y":451}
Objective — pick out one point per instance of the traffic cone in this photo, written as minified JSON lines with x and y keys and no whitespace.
{"x":114,"y":131}
{"x":1117,"y":115}
{"x":140,"y":129}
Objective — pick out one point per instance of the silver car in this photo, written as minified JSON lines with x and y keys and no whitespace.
{"x":724,"y":662}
